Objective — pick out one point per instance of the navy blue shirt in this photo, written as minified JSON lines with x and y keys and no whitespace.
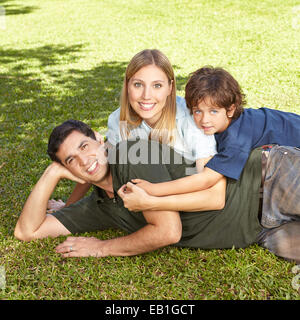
{"x":254,"y":128}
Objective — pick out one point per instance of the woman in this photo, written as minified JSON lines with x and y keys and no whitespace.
{"x":150,"y":110}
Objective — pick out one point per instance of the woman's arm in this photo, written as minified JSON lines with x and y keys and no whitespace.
{"x":78,"y":193}
{"x":137,"y":199}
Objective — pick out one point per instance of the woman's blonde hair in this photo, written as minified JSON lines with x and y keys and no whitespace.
{"x":163,"y":130}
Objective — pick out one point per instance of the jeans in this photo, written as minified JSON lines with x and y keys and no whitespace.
{"x":281,"y":203}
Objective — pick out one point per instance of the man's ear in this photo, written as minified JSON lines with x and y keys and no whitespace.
{"x":99,"y":138}
{"x":231,"y":111}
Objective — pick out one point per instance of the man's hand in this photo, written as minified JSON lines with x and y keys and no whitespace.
{"x":135,"y":198}
{"x":145,"y":185}
{"x":81,"y":247}
{"x":62,"y":172}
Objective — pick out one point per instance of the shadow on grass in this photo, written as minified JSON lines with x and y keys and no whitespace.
{"x":28,"y":94}
{"x":10,"y":8}
{"x":35,"y":94}
{"x":48,"y":55}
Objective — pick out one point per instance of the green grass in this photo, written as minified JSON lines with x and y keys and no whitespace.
{"x":66,"y":59}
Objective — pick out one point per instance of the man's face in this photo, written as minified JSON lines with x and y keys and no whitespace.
{"x":85,"y":157}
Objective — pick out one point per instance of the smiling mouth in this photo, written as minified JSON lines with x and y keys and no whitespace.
{"x":93,"y":167}
{"x":147,"y":106}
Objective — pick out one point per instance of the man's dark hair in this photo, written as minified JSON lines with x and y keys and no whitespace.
{"x":215,"y":84}
{"x":61,"y":132}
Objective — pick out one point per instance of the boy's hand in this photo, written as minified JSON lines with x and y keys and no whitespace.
{"x":145,"y":185}
{"x":134,"y":197}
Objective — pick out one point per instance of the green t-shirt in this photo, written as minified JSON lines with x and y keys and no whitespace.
{"x":236,"y":225}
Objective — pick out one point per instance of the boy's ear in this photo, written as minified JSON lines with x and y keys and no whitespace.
{"x":99,"y":138}
{"x":230,"y":111}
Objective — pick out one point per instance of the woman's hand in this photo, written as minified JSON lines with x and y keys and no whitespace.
{"x":135,"y":198}
{"x":54,"y":205}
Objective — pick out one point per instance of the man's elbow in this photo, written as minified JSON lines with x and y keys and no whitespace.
{"x":20,"y":235}
{"x":173,"y":235}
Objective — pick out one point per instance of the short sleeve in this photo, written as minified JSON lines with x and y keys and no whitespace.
{"x":229,"y":163}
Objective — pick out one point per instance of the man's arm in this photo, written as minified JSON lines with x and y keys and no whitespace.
{"x":163,"y":228}
{"x":33,"y":222}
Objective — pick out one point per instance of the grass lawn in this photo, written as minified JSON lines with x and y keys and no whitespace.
{"x":66,"y":59}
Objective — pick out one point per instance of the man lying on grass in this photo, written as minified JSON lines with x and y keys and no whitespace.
{"x":78,"y":156}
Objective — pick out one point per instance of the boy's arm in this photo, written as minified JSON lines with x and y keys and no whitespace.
{"x":137,"y":199}
{"x":196,"y":182}
{"x":33,"y":214}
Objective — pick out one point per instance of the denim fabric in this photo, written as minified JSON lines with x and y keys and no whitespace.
{"x":281,"y":195}
{"x":281,"y":204}
{"x":283,"y":241}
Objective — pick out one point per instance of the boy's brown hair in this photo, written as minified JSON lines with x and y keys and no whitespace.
{"x":217,"y":85}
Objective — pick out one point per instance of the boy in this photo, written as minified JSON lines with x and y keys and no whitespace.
{"x":216,"y":102}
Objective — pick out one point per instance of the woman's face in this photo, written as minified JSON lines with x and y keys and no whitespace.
{"x":148,"y":90}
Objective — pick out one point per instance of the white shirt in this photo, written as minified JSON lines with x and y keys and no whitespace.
{"x":190,"y":141}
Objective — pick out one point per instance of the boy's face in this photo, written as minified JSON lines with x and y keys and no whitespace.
{"x":85,"y":157}
{"x":211,"y":119}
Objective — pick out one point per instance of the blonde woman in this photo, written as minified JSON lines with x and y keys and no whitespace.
{"x":150,"y":110}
